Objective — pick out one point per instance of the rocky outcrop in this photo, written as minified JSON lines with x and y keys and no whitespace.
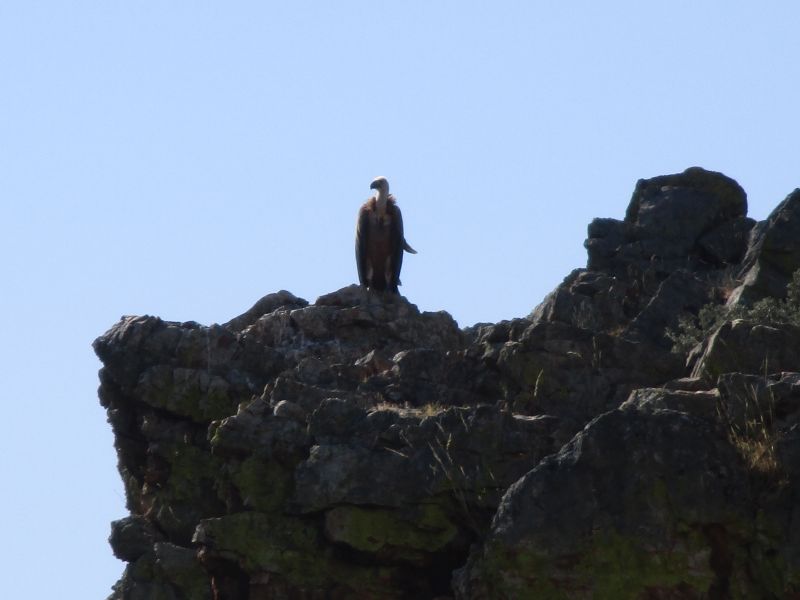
{"x":773,"y":254}
{"x":742,"y":346}
{"x":676,"y":494}
{"x":693,"y":219}
{"x":639,"y":504}
{"x":325,"y":428}
{"x":359,"y":448}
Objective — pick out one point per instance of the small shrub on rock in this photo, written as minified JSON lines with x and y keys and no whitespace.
{"x":693,"y":329}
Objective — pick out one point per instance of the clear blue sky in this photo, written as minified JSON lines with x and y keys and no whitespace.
{"x":185,"y":158}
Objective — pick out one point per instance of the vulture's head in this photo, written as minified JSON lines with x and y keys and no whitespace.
{"x":380,"y":184}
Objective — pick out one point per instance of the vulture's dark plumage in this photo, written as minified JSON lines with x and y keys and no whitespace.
{"x":379,"y":240}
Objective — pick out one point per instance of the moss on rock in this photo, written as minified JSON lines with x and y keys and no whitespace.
{"x":183,"y":486}
{"x":293,"y":549}
{"x":192,"y":393}
{"x":259,"y":542}
{"x":611,"y":567}
{"x":406,"y":534}
{"x":262,"y":484}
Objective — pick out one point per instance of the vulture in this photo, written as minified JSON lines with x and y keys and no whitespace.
{"x":379,"y":240}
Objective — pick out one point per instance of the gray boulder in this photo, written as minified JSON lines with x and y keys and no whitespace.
{"x":746,"y":347}
{"x":676,"y":220}
{"x":389,"y":459}
{"x":640,"y":504}
{"x":773,"y":254}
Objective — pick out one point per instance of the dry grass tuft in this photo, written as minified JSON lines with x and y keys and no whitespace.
{"x":756,"y":445}
{"x":755,"y":436}
{"x":430,"y":409}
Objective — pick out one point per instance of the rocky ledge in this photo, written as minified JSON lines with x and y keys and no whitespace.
{"x":359,"y":448}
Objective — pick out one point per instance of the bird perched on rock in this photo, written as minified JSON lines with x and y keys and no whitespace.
{"x":379,"y":240}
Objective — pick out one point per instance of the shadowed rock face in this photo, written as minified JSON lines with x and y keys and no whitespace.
{"x":696,"y":218}
{"x":636,"y":502}
{"x":359,"y":448}
{"x":773,"y":254}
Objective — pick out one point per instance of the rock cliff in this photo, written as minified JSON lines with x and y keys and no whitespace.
{"x":359,"y":448}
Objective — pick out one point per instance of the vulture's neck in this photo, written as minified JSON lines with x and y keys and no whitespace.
{"x":381,"y":200}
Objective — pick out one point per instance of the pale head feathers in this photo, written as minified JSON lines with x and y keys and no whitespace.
{"x":381,"y":184}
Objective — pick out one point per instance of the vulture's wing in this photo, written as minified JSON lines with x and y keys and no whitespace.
{"x":362,"y":231}
{"x":397,"y":242}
